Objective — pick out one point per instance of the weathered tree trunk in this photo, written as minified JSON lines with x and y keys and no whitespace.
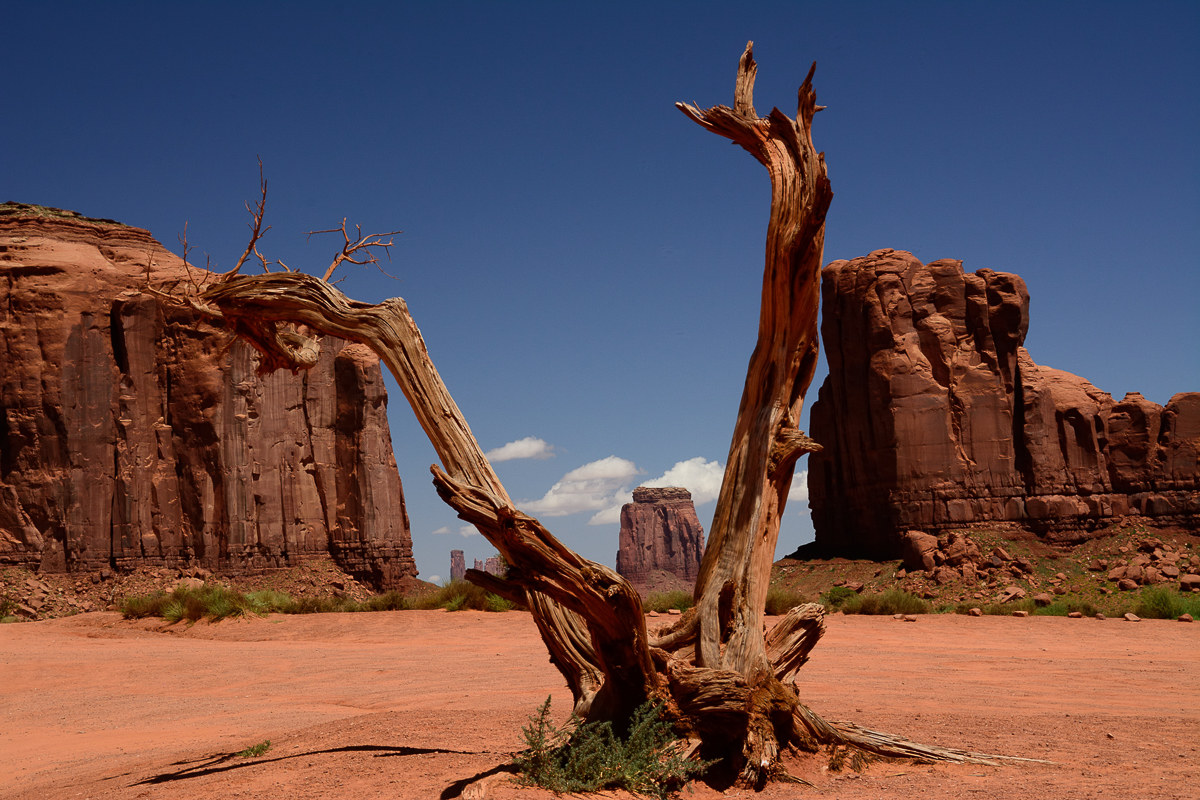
{"x":724,"y":681}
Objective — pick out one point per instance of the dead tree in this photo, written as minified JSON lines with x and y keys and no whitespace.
{"x":725,"y":682}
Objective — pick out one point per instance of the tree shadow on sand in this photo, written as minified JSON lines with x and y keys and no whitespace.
{"x":220,"y":763}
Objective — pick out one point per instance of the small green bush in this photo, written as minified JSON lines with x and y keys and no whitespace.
{"x":780,"y":601}
{"x":253,"y":751}
{"x":593,"y":757}
{"x":893,"y":601}
{"x":665,"y":601}
{"x":1157,"y":602}
{"x":837,"y":597}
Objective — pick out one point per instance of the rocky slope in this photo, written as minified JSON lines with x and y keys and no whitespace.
{"x":133,"y":434}
{"x":661,"y":541}
{"x":935,"y":417}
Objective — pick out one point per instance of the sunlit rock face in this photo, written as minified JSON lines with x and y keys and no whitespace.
{"x":132,"y":433}
{"x":661,"y":541}
{"x":934,"y":416}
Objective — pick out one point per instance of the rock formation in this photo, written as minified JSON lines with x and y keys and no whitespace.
{"x":661,"y":540}
{"x":458,"y":565}
{"x":132,"y":433}
{"x":934,"y":416}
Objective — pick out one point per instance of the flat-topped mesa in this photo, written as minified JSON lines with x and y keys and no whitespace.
{"x":661,"y":541}
{"x":661,"y":494}
{"x":132,"y":433}
{"x":935,"y":417}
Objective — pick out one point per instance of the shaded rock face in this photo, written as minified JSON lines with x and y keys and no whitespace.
{"x":934,"y":416}
{"x":458,"y":565}
{"x":660,"y":533}
{"x":133,"y":434}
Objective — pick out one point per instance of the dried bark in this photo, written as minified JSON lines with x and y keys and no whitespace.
{"x":726,"y":684}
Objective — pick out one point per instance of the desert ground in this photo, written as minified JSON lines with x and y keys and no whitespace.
{"x":421,"y":704}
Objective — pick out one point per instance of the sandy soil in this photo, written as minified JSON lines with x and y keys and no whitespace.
{"x":417,"y":704}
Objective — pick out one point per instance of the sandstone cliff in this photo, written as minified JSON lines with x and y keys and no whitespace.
{"x":934,"y":416}
{"x":661,"y":540}
{"x":132,"y":433}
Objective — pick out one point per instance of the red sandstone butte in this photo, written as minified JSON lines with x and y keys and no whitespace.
{"x":934,"y":416}
{"x":661,"y":541}
{"x":132,"y":433}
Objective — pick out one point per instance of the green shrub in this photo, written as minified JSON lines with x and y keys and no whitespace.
{"x":665,"y":601}
{"x":893,"y":601}
{"x":837,"y":597}
{"x":388,"y":601}
{"x":255,"y":750}
{"x":146,"y":605}
{"x":1157,"y":602}
{"x":780,"y":601}
{"x":593,"y":757}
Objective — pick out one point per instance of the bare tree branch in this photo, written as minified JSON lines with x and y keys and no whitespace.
{"x":255,"y":225}
{"x":361,"y":244}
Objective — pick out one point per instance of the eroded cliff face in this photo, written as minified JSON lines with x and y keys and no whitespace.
{"x":934,"y":416}
{"x":661,"y":541}
{"x":133,"y":433}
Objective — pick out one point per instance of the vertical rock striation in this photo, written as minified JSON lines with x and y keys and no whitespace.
{"x":458,"y":565}
{"x":661,"y":540}
{"x":934,"y":416}
{"x":133,"y":433}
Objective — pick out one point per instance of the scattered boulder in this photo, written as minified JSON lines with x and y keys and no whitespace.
{"x":1185,"y":617}
{"x":1043,"y":598}
{"x":917,"y":550}
{"x":1011,"y":593}
{"x":976,"y":612}
{"x":1131,"y":617}
{"x":1189,"y":583}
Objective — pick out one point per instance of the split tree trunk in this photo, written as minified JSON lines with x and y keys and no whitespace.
{"x":724,"y":683}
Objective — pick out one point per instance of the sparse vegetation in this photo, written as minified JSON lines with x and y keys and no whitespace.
{"x":216,"y":602}
{"x":893,"y":601}
{"x":1157,"y":602}
{"x":836,"y":597}
{"x":255,"y":750}
{"x":780,"y":600}
{"x":593,"y":757}
{"x":665,"y":601}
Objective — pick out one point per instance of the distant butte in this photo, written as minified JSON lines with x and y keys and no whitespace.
{"x":934,"y":417}
{"x":661,"y":540}
{"x":133,"y":434}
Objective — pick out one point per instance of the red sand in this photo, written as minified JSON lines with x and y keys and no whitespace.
{"x":407,"y":704}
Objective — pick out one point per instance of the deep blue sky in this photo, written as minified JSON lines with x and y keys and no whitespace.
{"x":583,"y":260}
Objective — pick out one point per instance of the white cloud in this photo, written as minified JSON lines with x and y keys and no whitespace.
{"x":594,"y":486}
{"x":699,"y":476}
{"x":463,"y":531}
{"x":529,"y":447}
{"x":703,"y":479}
{"x":434,"y":579}
{"x":798,"y":492}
